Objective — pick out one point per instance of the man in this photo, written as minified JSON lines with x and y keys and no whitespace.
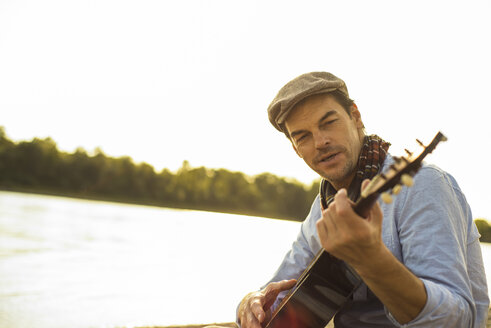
{"x":419,"y":257}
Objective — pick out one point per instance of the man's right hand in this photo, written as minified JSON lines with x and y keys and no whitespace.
{"x":255,"y":307}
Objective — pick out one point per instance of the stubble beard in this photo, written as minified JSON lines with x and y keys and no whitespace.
{"x":344,"y":175}
{"x":340,"y":177}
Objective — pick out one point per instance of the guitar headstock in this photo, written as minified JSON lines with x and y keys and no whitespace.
{"x":400,"y":173}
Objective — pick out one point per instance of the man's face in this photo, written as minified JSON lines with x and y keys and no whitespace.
{"x":327,"y":138}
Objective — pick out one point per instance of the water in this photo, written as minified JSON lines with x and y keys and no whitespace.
{"x":76,"y":263}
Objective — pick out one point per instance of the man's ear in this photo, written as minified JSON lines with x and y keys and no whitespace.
{"x":356,"y":117}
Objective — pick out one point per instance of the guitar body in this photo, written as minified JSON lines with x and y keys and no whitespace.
{"x":323,"y":289}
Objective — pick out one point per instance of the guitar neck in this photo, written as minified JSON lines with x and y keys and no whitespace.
{"x":401,"y":170}
{"x":363,"y":205}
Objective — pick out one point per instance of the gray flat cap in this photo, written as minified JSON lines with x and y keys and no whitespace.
{"x":298,"y":89}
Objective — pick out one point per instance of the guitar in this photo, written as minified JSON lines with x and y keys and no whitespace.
{"x":328,"y":283}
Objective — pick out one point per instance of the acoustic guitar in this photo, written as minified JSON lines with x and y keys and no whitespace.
{"x":329,"y":283}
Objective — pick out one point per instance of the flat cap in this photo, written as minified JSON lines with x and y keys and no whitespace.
{"x":299,"y":88}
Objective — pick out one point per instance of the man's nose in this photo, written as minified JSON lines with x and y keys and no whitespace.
{"x":321,"y":139}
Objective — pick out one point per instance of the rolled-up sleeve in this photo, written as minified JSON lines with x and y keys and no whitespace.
{"x":436,"y":232}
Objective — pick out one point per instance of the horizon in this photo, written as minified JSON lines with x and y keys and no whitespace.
{"x":184,"y":163}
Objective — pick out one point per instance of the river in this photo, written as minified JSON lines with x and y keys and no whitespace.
{"x":77,"y":263}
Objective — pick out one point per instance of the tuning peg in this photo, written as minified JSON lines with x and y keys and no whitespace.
{"x":386,"y":198}
{"x":397,"y":189}
{"x":408,"y":152}
{"x":420,"y":143}
{"x":407,"y":180}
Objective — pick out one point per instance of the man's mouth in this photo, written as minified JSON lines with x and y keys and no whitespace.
{"x":327,"y":158}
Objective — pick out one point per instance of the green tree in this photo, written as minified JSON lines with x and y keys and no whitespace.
{"x":39,"y":166}
{"x":484,"y":229}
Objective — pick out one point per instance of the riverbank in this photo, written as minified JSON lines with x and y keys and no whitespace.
{"x":232,"y":324}
{"x":132,"y":201}
{"x":226,"y":324}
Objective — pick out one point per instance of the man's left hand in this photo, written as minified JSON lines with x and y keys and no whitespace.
{"x":346,"y":235}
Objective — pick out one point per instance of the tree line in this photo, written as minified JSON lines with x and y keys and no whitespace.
{"x":484,"y":229}
{"x":38,"y":166}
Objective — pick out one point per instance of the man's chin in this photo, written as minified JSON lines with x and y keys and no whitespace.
{"x":328,"y":174}
{"x":339,"y":179}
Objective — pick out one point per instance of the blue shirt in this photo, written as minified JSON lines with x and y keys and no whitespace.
{"x":429,"y":228}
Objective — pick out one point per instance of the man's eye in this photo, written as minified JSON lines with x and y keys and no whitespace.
{"x":301,"y":138}
{"x":329,"y":122}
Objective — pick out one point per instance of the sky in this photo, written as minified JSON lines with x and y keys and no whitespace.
{"x":168,"y":81}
